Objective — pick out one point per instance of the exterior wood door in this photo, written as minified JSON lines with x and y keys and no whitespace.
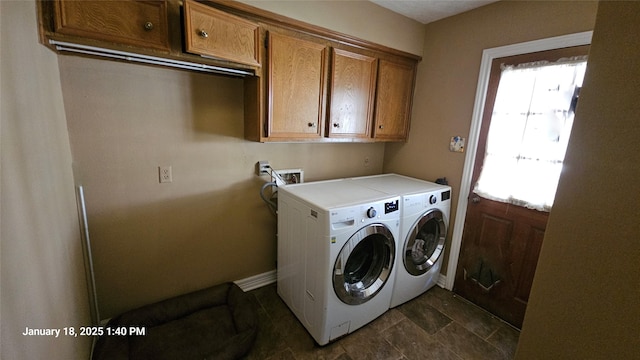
{"x":501,"y":242}
{"x":500,"y":249}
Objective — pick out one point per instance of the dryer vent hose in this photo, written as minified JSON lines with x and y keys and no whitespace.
{"x":271,"y":201}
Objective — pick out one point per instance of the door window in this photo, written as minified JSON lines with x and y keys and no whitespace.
{"x":529,"y":132}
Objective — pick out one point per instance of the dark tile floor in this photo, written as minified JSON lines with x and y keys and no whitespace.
{"x":435,"y":325}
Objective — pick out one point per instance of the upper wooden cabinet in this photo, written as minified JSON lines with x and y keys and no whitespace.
{"x":296,"y":88}
{"x":352,"y":92}
{"x":129,"y":22}
{"x":211,"y":32}
{"x":368,"y":99}
{"x":393,"y":100}
{"x":301,"y":82}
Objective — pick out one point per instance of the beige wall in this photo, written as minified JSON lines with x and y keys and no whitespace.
{"x":42,"y":274}
{"x":358,"y":18}
{"x":585,"y":300}
{"x":155,"y":240}
{"x":448,"y":76}
{"x":150,"y":240}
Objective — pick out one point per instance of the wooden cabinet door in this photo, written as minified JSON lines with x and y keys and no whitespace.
{"x":214,"y":33}
{"x":393,"y":101}
{"x":137,"y":23}
{"x":296,"y":88}
{"x":353,"y":81}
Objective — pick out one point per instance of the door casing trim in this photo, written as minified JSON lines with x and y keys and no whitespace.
{"x":488,"y":55}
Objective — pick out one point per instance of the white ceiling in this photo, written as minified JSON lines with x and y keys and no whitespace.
{"x":426,"y":11}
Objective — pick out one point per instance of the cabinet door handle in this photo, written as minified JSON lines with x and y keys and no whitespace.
{"x":336,"y":125}
{"x":381,"y":127}
{"x":311,"y":124}
{"x":148,"y":26}
{"x":203,"y":34}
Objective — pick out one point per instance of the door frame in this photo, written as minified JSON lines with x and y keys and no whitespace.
{"x":488,"y":55}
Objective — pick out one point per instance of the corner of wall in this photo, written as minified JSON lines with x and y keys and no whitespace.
{"x":42,"y":275}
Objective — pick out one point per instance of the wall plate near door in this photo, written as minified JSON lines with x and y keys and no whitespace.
{"x":457,"y":144}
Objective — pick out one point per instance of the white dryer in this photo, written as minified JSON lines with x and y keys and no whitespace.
{"x":424,"y":212}
{"x":336,"y":253}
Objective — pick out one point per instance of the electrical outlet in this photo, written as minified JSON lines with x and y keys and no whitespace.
{"x":165,"y":174}
{"x":262,"y":167}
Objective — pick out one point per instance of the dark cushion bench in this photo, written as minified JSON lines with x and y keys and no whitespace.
{"x":215,"y":323}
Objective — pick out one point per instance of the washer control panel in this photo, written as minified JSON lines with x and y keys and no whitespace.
{"x":391,"y":206}
{"x":382,"y":210}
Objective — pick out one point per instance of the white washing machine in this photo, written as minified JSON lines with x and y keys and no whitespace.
{"x":424,"y":213}
{"x":336,"y":253}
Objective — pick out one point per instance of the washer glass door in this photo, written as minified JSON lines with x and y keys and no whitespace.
{"x":364,"y":264}
{"x":425,"y":243}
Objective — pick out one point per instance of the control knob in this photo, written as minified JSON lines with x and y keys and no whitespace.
{"x":433,"y":199}
{"x":371,"y":213}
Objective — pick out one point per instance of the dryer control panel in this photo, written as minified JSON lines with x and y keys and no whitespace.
{"x":391,"y":206}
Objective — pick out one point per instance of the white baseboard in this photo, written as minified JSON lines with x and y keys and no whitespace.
{"x":246,"y":284}
{"x":442,"y":282}
{"x":257,"y":281}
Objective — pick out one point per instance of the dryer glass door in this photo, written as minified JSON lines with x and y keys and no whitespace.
{"x":425,"y":243}
{"x":364,"y":264}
